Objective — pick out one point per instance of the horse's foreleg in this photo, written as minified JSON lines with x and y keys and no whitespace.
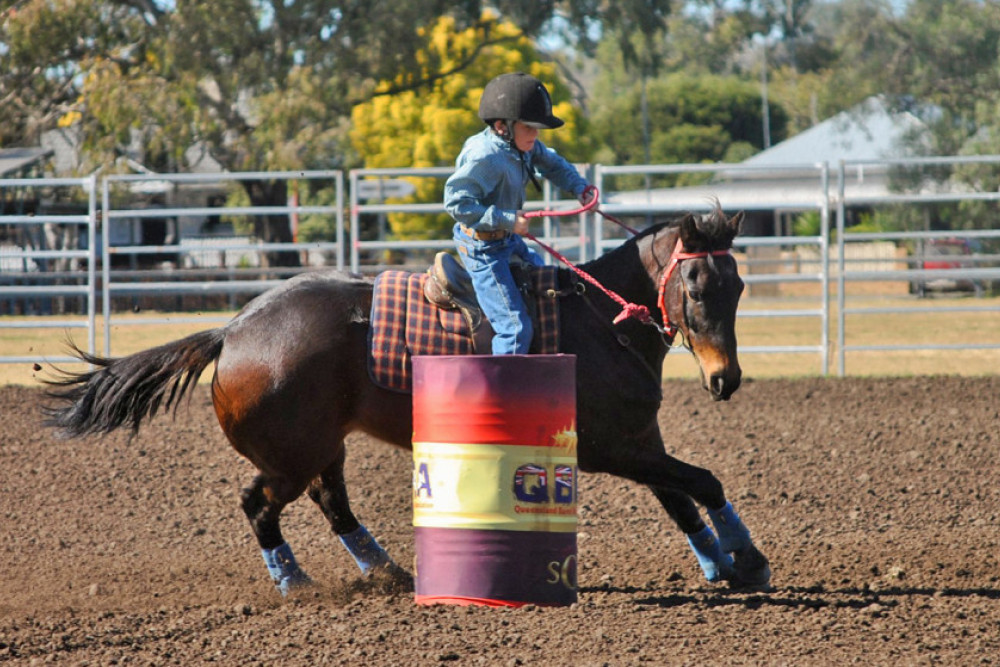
{"x":678,"y":485}
{"x":330,"y":493}
{"x":750,"y":566}
{"x":734,"y":536}
{"x":715,"y":562}
{"x":262,"y":507}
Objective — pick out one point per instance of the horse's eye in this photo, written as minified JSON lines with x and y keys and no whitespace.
{"x":694,"y":288}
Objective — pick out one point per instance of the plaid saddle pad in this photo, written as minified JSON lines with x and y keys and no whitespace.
{"x":405,"y":324}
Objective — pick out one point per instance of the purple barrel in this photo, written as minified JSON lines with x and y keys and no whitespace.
{"x":495,"y":479}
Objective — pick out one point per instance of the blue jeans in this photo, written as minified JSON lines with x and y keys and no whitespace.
{"x":488,"y":264}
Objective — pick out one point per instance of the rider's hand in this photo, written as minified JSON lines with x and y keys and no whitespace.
{"x":521,"y":225}
{"x":588,"y":195}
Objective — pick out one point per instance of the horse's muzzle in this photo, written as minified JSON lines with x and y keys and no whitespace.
{"x":723,"y":385}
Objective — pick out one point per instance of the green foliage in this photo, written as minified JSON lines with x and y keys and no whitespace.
{"x":893,"y":218}
{"x":738,"y":151}
{"x":266,"y":85}
{"x":693,"y":119}
{"x":939,"y":60}
{"x":709,"y":43}
{"x":636,"y":26}
{"x":237,"y":197}
{"x":946,"y":54}
{"x":45,"y":48}
{"x":807,"y":224}
{"x":868,"y":223}
{"x":811,"y":97}
{"x":316,"y":226}
{"x":984,"y":177}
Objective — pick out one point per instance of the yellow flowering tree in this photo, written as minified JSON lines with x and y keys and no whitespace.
{"x":426,"y":126}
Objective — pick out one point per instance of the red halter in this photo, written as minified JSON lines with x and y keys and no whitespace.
{"x":675,"y":258}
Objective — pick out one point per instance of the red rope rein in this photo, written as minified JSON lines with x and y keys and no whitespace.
{"x":635,"y":310}
{"x":629,"y":309}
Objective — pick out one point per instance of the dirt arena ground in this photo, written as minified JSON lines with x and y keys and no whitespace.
{"x":877,"y":501}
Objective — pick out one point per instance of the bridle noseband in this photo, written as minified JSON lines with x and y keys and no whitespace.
{"x":676,"y":257}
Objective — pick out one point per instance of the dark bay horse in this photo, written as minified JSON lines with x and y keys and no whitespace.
{"x":291,"y":382}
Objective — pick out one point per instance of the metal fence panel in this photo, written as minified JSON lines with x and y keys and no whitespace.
{"x":30,"y":262}
{"x":116,"y":283}
{"x":229,"y":266}
{"x":847,"y":274}
{"x":812,"y":195}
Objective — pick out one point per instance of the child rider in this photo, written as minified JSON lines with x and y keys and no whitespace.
{"x":487,"y":191}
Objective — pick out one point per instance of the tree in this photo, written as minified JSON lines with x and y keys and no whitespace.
{"x":839,"y":67}
{"x":790,"y":20}
{"x":711,"y":40}
{"x":943,"y":65}
{"x":730,"y":28}
{"x":817,"y":58}
{"x":43,"y":49}
{"x":704,"y":118}
{"x":260,"y":84}
{"x":945,"y":55}
{"x":426,"y":127}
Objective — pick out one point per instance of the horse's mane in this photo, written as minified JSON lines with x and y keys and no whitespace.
{"x":713,"y":225}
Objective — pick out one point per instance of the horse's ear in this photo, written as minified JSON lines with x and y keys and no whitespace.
{"x":690,"y":235}
{"x":735,"y":224}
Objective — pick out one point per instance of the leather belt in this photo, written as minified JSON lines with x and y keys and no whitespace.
{"x":485,"y":235}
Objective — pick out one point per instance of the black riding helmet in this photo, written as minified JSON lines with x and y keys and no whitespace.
{"x":518,"y":96}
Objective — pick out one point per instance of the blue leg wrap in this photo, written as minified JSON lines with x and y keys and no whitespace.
{"x":733,"y":534}
{"x":715,"y":563}
{"x":366,"y":551}
{"x":284,"y":571}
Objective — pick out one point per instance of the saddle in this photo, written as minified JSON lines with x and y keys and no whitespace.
{"x":437,"y":312}
{"x":449,"y":286}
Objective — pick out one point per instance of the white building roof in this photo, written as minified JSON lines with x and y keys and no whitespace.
{"x":786,"y":176}
{"x":13,"y":160}
{"x":868,"y":131}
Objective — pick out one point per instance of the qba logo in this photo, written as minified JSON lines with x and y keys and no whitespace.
{"x":531,"y":484}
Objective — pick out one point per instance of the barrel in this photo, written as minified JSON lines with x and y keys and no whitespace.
{"x":495,"y":479}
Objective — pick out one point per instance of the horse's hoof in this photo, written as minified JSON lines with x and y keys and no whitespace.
{"x":397,"y":575}
{"x":751,"y":570}
{"x":390,"y":578}
{"x":294,"y":582}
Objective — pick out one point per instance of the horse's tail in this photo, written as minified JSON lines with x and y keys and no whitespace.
{"x":128,"y":389}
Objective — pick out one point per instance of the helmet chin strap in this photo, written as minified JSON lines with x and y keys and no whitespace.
{"x":507,"y":134}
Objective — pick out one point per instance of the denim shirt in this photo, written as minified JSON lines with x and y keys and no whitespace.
{"x":487,"y":188}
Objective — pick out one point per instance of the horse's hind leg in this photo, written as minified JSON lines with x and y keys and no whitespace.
{"x":262,"y":503}
{"x":330,"y":493}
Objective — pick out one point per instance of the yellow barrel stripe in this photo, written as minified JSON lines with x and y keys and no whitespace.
{"x":494,"y":487}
